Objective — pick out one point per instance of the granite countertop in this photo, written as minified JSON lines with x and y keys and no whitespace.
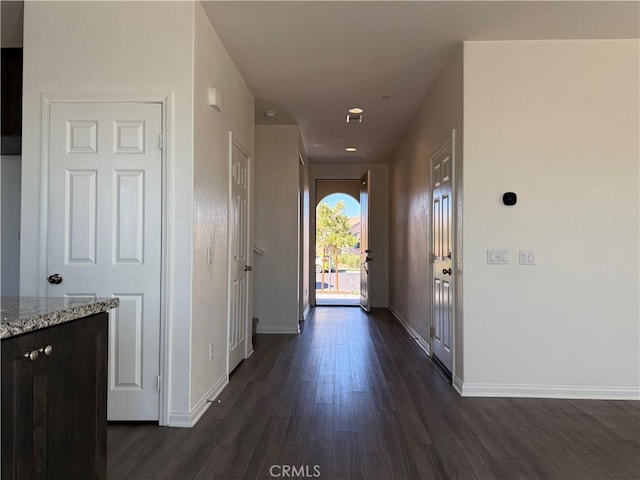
{"x":25,"y":314}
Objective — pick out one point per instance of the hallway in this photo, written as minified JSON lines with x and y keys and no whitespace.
{"x":354,"y":395}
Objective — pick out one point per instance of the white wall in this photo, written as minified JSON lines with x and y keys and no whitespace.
{"x":305,"y":212}
{"x":411,"y":206}
{"x":378,"y":223}
{"x":117,"y":47}
{"x":10,"y":167}
{"x":276,"y":228}
{"x":213,"y":68}
{"x":557,"y":123}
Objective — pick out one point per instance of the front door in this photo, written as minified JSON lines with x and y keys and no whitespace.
{"x":442,"y":328}
{"x":104,"y":235}
{"x":365,"y":251}
{"x":239,"y":294}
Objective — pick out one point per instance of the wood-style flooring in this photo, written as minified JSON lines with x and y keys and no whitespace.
{"x":356,"y":397}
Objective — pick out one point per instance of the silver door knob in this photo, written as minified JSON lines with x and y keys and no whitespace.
{"x":55,"y":279}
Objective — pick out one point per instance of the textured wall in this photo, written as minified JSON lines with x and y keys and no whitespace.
{"x":277,"y":228}
{"x":305,"y":212}
{"x":213,"y":68}
{"x":556,"y":122}
{"x":116,"y":47}
{"x":411,"y":207}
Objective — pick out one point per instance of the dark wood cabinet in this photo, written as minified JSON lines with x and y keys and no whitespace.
{"x":17,"y":408}
{"x":54,"y":417}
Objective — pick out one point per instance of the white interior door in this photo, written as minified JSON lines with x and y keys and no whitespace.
{"x":442,"y":301}
{"x":104,"y":234}
{"x":239,"y":288}
{"x":365,"y":251}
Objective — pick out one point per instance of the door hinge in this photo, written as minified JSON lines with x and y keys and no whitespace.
{"x":432,"y":332}
{"x":161,"y":141}
{"x":158,"y":382}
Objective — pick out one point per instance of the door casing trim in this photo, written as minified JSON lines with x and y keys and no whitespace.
{"x":165,"y":99}
{"x":313,"y":221}
{"x":450,"y":140}
{"x":234,"y":141}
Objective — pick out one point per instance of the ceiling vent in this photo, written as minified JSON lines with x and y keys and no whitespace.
{"x":354,"y":118}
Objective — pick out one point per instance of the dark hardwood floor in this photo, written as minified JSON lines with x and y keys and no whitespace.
{"x":354,"y":396}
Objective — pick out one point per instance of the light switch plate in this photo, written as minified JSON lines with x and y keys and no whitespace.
{"x":498,"y":256}
{"x":527,"y":257}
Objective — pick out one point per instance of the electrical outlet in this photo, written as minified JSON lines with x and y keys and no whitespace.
{"x":211,"y":352}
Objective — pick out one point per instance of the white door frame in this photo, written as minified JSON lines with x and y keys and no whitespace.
{"x":364,"y":267}
{"x":248,"y":341}
{"x":166,"y":100}
{"x":312,"y":220}
{"x":451,"y":140}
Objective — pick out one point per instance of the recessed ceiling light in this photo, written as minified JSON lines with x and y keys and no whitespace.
{"x":270,"y":114}
{"x":350,"y":149}
{"x":356,"y":110}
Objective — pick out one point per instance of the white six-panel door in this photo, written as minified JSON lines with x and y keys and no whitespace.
{"x":442,"y":301}
{"x":104,"y":234}
{"x":239,"y":267}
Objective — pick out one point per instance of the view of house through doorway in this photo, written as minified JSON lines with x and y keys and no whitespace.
{"x":337,"y":256}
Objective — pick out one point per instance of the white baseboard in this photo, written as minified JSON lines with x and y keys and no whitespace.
{"x":179,"y":419}
{"x":305,"y":314}
{"x":278,"y":329}
{"x":422,"y":343}
{"x":458,"y":385}
{"x":189,"y":419}
{"x":547,"y":391}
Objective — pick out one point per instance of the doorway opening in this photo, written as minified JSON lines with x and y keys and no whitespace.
{"x":337,"y":256}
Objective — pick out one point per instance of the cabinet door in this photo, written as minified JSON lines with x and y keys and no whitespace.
{"x":17,"y":408}
{"x":69,"y":400}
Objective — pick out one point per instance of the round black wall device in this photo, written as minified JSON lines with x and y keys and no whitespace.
{"x":509,"y":198}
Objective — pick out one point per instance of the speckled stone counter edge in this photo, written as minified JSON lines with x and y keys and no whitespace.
{"x":66,"y":314}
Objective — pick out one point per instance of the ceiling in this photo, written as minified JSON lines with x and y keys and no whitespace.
{"x":312,"y":61}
